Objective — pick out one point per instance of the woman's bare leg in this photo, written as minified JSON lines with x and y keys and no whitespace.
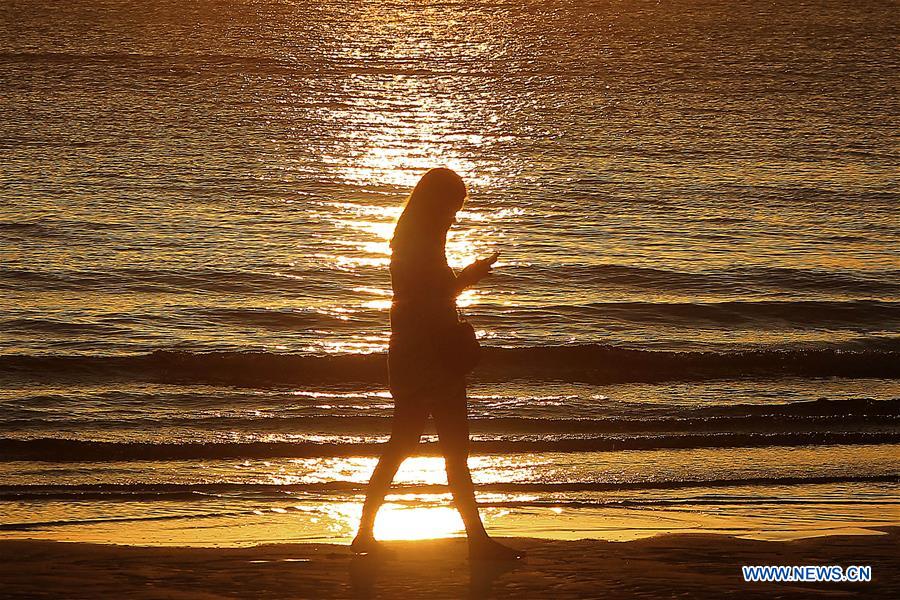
{"x":452,"y":423}
{"x":407,"y":426}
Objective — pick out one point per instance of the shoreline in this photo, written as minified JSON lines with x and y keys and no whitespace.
{"x":698,"y":565}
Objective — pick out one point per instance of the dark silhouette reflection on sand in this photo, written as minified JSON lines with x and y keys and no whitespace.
{"x":482,"y":575}
{"x":366,"y":569}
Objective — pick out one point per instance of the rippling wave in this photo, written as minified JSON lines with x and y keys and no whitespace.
{"x":588,"y":363}
{"x":260,"y":492}
{"x":820,"y":415}
{"x":733,"y":281}
{"x":63,"y":450}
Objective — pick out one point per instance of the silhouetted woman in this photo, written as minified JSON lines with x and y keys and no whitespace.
{"x":423,"y":356}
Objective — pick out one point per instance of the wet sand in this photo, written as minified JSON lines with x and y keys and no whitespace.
{"x":695,"y":566}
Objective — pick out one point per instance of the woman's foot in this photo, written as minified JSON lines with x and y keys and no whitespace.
{"x":367,"y":544}
{"x":488,"y":549}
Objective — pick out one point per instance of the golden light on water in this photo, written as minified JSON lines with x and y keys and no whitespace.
{"x":369,"y":231}
{"x":404,"y":516}
{"x":377,"y":304}
{"x":382,"y":230}
{"x":415,"y":523}
{"x":402,"y":166}
{"x":377,"y":228}
{"x":425,"y":515}
{"x":360,"y":345}
{"x":352,"y":262}
{"x":386,"y":142}
{"x":398,"y":522}
{"x":406,"y":144}
{"x":418,"y":470}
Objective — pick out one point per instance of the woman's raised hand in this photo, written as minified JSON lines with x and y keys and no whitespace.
{"x":477,"y":271}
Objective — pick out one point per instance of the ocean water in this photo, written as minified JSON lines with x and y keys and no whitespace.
{"x":694,"y":323}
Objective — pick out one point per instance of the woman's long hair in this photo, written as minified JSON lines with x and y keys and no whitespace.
{"x":422,"y":227}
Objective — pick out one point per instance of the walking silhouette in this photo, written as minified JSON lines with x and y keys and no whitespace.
{"x":429,"y":354}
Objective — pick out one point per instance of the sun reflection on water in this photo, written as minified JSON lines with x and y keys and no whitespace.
{"x":414,"y":523}
{"x":386,"y":141}
{"x":396,"y":521}
{"x":359,"y":345}
{"x":388,"y":134}
{"x":416,"y":470}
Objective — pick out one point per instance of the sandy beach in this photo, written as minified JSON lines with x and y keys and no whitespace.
{"x":695,"y":566}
